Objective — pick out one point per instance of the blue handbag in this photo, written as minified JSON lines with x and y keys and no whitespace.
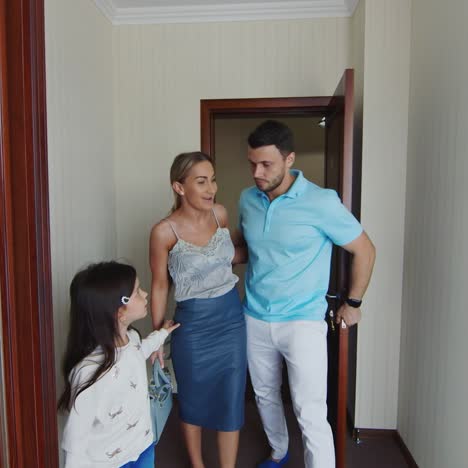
{"x":160,"y":393}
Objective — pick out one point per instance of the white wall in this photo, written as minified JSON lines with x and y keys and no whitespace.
{"x":385,"y":117}
{"x":162,"y":71}
{"x":81,"y":178}
{"x":432,"y":411}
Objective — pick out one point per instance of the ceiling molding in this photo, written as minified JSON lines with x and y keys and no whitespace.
{"x":107,"y":9}
{"x":222,"y":12}
{"x":351,"y":4}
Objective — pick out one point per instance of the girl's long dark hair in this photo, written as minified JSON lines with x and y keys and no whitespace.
{"x":96,"y":295}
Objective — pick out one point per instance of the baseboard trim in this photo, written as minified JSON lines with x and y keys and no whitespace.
{"x":405,"y":450}
{"x":360,"y":434}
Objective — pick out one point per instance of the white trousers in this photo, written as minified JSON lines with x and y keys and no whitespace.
{"x":303,"y":345}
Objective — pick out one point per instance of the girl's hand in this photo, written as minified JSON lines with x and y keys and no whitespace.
{"x":170,"y":326}
{"x":159,"y":354}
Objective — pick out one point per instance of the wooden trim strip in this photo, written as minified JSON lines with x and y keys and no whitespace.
{"x":363,"y":434}
{"x":24,"y":239}
{"x":7,"y":285}
{"x":211,"y":108}
{"x":258,"y":105}
{"x":340,"y":437}
{"x":405,"y":450}
{"x":360,"y":434}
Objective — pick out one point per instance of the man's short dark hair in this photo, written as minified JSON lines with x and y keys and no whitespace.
{"x":272,"y":132}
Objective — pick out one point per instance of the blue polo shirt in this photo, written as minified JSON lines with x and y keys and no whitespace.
{"x":290,"y":244}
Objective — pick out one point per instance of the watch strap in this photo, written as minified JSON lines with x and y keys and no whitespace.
{"x":356,"y":303}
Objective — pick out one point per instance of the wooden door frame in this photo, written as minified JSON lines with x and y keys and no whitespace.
{"x":349,"y":188}
{"x":212,"y":108}
{"x":25,"y":267}
{"x":322,"y":105}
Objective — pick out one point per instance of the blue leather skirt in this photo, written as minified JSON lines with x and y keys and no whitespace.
{"x":210,"y":362}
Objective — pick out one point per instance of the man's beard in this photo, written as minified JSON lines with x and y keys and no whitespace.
{"x":274,"y":184}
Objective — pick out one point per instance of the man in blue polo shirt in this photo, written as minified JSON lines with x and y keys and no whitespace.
{"x":289,"y":225}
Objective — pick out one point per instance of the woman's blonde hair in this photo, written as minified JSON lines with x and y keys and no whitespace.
{"x":180,"y":169}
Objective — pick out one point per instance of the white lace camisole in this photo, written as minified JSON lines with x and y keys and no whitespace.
{"x":202,"y":271}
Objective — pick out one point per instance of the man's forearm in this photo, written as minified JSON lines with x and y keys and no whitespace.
{"x":361,"y":271}
{"x":238,"y":239}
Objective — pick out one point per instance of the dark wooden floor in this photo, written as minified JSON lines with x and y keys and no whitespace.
{"x":170,"y":452}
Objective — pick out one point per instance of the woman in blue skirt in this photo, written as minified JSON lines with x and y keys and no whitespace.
{"x":193,"y":247}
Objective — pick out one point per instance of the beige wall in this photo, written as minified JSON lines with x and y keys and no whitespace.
{"x":162,"y":71}
{"x":385,"y":117}
{"x":432,"y":412}
{"x":127,"y":99}
{"x":81,"y":179}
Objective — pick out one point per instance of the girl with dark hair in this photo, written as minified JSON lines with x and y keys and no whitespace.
{"x":192,"y":248}
{"x":106,"y":385}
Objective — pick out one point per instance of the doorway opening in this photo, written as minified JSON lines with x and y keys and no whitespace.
{"x":225,"y":124}
{"x":233,"y":173}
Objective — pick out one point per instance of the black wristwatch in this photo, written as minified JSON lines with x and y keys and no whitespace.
{"x":356,"y":303}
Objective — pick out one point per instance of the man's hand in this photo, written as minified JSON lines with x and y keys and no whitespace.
{"x":350,"y":315}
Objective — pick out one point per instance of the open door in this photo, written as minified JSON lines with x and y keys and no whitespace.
{"x":339,"y":176}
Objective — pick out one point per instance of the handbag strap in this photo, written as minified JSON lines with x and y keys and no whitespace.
{"x":159,"y":376}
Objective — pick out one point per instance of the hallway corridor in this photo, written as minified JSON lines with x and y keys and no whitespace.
{"x":170,"y":453}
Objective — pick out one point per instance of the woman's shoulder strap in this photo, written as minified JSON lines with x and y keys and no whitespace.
{"x":214,"y":214}
{"x":173,"y":229}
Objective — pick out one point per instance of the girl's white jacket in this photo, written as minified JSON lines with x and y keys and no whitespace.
{"x":110,"y":423}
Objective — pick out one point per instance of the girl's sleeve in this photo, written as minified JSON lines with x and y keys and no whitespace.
{"x":79,"y":423}
{"x":153,"y":342}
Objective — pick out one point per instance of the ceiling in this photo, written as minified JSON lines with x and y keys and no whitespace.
{"x":191,"y":11}
{"x":159,"y":3}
